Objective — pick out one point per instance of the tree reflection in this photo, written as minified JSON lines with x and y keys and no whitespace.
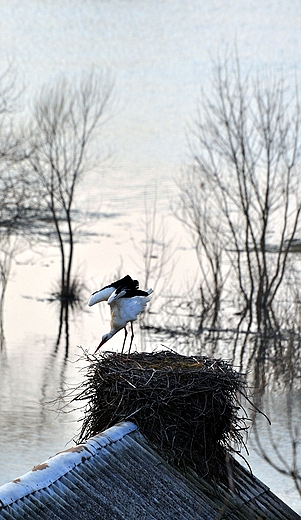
{"x":67,"y":307}
{"x":282,"y":451}
{"x":63,"y":323}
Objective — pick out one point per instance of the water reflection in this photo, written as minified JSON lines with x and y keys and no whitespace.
{"x":70,"y":304}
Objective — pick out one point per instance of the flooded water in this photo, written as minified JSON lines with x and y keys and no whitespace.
{"x":160,"y":54}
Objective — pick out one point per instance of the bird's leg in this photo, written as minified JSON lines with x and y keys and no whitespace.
{"x":125,"y":335}
{"x":132,"y":336}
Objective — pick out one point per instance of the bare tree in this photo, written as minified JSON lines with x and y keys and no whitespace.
{"x":13,"y":187}
{"x":195,"y":212}
{"x":241,"y":197}
{"x":66,"y":117}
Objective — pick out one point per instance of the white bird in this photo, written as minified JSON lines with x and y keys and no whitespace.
{"x":126,"y":304}
{"x":126,"y":300}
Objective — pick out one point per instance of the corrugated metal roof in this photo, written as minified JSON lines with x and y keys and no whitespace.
{"x":117,"y":475}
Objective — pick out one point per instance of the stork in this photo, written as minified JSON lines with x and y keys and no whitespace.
{"x":126,"y":301}
{"x":126,"y":304}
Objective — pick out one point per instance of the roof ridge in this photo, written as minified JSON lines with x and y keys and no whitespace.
{"x":48,"y":472}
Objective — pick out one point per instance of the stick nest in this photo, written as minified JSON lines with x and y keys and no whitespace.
{"x":187,"y":407}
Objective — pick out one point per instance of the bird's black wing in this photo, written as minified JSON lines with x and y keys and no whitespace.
{"x":130,"y":292}
{"x":126,"y":282}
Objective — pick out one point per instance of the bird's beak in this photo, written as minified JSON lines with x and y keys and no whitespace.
{"x":100,"y":345}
